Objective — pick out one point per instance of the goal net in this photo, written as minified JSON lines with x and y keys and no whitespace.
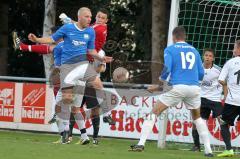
{"x":209,"y":24}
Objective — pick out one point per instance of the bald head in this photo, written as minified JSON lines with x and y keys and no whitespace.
{"x":82,"y":10}
{"x":84,"y":17}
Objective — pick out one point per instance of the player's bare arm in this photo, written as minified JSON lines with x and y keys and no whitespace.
{"x":153,"y":88}
{"x":225,"y":89}
{"x":94,"y":54}
{"x":44,"y":40}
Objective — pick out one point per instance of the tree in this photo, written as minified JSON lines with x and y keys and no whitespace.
{"x":160,"y":21}
{"x":49,"y":21}
{"x":4,"y":38}
{"x":130,"y":30}
{"x":24,"y":16}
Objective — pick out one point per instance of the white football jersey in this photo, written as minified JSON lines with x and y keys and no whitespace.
{"x":231,"y":74}
{"x":210,"y":87}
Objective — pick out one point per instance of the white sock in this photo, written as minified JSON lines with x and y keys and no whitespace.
{"x":147,"y":128}
{"x":81,"y":124}
{"x":106,"y":114}
{"x":203,"y":133}
{"x":64,"y":116}
{"x":63,"y":125}
{"x":66,"y":123}
{"x":84,"y":136}
{"x":79,"y":120}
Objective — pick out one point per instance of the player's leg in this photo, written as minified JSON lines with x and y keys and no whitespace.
{"x":196,"y":141}
{"x":228,"y":116}
{"x":71,"y":125}
{"x":224,"y":129}
{"x":55,"y":82}
{"x":86,"y":72}
{"x":205,"y":111}
{"x":65,"y":98}
{"x":96,"y":124}
{"x":57,"y":110}
{"x":78,"y":102}
{"x":79,"y":119}
{"x":93,"y":105}
{"x":202,"y":130}
{"x":171,"y":98}
{"x":192,"y":100}
{"x":100,"y":93}
{"x":54,"y":117}
{"x":40,"y":48}
{"x":148,"y":125}
{"x":63,"y":123}
{"x":193,"y":103}
{"x":63,"y":115}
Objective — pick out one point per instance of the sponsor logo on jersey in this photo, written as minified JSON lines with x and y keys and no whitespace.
{"x":207,"y":83}
{"x":86,"y":36}
{"x":78,"y":43}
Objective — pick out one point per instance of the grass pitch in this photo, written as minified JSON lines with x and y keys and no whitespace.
{"x":25,"y":145}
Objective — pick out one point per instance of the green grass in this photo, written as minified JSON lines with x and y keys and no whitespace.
{"x":25,"y":145}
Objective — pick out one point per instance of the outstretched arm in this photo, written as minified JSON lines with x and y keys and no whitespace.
{"x":44,"y":40}
{"x":94,"y":54}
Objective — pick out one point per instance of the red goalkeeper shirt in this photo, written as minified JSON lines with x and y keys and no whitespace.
{"x":101,"y":35}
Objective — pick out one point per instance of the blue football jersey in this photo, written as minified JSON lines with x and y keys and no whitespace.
{"x":76,"y":42}
{"x":183,"y":64}
{"x":57,"y":54}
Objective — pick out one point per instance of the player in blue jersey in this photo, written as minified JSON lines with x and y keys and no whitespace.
{"x":100,"y":27}
{"x":54,"y":77}
{"x":183,"y":66}
{"x":79,"y":40}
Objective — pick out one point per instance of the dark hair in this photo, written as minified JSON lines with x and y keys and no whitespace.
{"x":54,"y":29}
{"x":105,"y":11}
{"x":238,"y":43}
{"x":209,"y":50}
{"x":179,"y":32}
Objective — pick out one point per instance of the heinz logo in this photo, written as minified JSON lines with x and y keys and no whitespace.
{"x":33,"y":103}
{"x":33,"y":113}
{"x":6,"y":96}
{"x":33,"y":96}
{"x":7,"y":112}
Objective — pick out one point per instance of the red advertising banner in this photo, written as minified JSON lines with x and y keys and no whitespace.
{"x":33,"y":103}
{"x":7,"y":90}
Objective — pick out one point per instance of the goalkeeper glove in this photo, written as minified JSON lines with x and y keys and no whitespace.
{"x":65,"y":19}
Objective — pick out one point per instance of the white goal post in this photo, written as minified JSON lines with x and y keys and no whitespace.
{"x":172,"y":24}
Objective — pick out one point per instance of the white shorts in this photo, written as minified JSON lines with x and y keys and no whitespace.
{"x":189,"y":95}
{"x":72,"y":74}
{"x":77,"y":101}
